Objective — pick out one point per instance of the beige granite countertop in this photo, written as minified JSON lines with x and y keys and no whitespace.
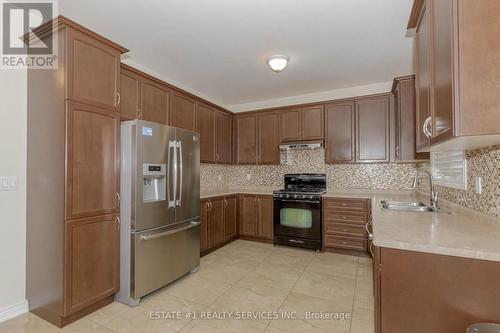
{"x":454,"y":230}
{"x":218,"y":191}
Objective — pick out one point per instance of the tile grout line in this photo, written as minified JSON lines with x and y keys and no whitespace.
{"x":354,"y":296}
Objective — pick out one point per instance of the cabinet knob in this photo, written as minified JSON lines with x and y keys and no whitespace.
{"x":118,"y":98}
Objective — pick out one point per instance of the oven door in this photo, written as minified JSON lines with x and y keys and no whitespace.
{"x":298,"y":219}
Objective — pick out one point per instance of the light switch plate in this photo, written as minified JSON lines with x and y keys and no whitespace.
{"x":8,"y":183}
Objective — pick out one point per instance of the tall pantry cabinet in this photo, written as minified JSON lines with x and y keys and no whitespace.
{"x":73,"y":176}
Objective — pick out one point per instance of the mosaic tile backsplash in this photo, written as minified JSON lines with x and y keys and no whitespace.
{"x":341,"y":176}
{"x":483,"y":163}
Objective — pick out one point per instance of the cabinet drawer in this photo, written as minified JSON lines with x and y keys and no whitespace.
{"x":345,"y":217}
{"x":345,"y":243}
{"x":358,"y":205}
{"x":349,"y":230}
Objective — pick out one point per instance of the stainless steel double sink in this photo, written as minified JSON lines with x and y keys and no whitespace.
{"x":406,"y":206}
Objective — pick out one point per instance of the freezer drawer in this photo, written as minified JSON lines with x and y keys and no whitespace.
{"x":163,"y":255}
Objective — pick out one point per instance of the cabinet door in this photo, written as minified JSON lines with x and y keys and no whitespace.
{"x":442,"y":53}
{"x":248,"y":215}
{"x":340,"y":133}
{"x":205,"y":125}
{"x":224,"y":138}
{"x":155,"y":102}
{"x":397,"y":123}
{"x":372,"y":130}
{"x":265,"y":217}
{"x":93,"y":71}
{"x":230,"y":217}
{"x":216,"y":223}
{"x":290,"y":125}
{"x":92,"y":161}
{"x":183,"y":111}
{"x":268,"y":138}
{"x":246,"y":139}
{"x":91,"y":261}
{"x":312,"y":127}
{"x":423,"y":77}
{"x":130,"y":100}
{"x":204,"y":225}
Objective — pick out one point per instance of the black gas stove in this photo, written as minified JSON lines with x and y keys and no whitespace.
{"x":297,"y":211}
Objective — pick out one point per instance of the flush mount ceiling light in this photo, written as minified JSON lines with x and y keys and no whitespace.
{"x":278,"y":62}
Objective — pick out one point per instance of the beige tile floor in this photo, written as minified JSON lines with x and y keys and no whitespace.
{"x":243,"y":278}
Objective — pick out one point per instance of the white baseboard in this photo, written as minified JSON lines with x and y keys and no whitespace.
{"x":12,"y":311}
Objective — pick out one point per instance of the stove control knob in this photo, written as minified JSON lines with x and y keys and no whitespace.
{"x":310,"y":197}
{"x":287,"y":195}
{"x":295,"y":196}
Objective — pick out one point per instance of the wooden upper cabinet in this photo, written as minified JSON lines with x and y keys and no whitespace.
{"x":442,"y":56}
{"x":91,"y":261}
{"x":246,"y":139}
{"x":205,"y":125}
{"x":290,"y":126}
{"x":224,"y":129}
{"x":302,"y":124}
{"x":155,"y":101}
{"x":404,"y":120}
{"x":457,"y":77}
{"x":372,"y":130}
{"x":93,"y":71}
{"x":423,"y":78}
{"x":312,"y":119}
{"x":130,"y":96}
{"x":265,"y":217}
{"x":183,"y":111}
{"x":340,"y":132}
{"x":248,"y":215}
{"x":92,"y":161}
{"x":268,"y":138}
{"x":230,"y":217}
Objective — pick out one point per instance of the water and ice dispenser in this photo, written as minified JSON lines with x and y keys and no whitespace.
{"x":154,"y":182}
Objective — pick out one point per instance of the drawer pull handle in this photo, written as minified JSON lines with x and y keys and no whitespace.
{"x":344,"y":217}
{"x":345,"y":243}
{"x":344,"y":204}
{"x":344,"y":230}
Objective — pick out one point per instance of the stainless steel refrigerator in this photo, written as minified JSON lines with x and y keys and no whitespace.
{"x":159,"y":207}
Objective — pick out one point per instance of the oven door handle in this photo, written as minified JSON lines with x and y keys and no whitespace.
{"x":306,"y":201}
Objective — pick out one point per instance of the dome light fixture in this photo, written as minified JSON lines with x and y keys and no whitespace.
{"x":278,"y":62}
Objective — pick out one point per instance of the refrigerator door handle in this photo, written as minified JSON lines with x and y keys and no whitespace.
{"x":170,"y":232}
{"x":178,"y":202}
{"x":172,"y":146}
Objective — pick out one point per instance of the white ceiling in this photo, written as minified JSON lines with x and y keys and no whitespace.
{"x":218,"y":48}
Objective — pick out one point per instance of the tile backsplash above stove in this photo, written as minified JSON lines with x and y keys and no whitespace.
{"x":339,"y":176}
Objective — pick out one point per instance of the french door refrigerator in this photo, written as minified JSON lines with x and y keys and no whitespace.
{"x":159,"y":207}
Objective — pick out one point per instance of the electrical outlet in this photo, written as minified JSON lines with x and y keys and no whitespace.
{"x":249,"y":176}
{"x":8,"y":183}
{"x":479,"y":185}
{"x":219,"y":177}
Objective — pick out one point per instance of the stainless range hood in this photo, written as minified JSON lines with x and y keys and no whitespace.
{"x":301,"y":145}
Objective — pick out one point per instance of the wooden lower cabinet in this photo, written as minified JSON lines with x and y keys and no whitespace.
{"x":265,"y":217}
{"x":256,"y":216}
{"x":230,"y":217}
{"x":344,"y":222}
{"x":421,"y":292}
{"x":248,"y":215}
{"x":218,"y":221}
{"x":91,"y":261}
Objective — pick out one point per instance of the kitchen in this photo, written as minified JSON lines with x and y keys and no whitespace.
{"x":276,"y":182}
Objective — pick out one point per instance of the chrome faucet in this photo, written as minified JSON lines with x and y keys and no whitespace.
{"x":433,"y":194}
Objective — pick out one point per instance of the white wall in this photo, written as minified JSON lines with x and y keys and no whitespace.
{"x":13,"y":203}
